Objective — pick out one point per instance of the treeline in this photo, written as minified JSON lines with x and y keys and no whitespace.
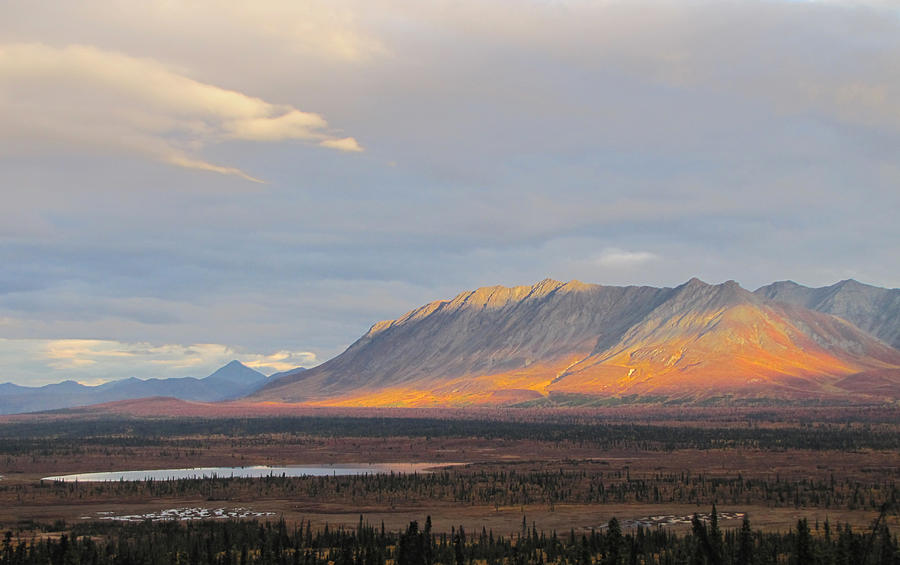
{"x":490,"y":487}
{"x":252,"y":542}
{"x":45,"y":437}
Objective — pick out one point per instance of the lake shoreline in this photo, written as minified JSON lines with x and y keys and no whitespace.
{"x":252,"y":471}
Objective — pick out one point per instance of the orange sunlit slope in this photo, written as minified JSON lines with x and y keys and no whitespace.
{"x":500,"y":345}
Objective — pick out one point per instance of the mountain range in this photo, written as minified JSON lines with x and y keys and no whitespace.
{"x":870,"y":308}
{"x":580,"y":343}
{"x":573,"y":343}
{"x":228,"y":382}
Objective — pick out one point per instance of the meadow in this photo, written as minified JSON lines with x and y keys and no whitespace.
{"x":565,"y":474}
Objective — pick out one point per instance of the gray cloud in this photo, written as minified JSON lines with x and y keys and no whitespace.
{"x":622,"y":143}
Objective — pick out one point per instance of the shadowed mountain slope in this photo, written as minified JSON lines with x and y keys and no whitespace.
{"x":508,"y":345}
{"x":870,"y":308}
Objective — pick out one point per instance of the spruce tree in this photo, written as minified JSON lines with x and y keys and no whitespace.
{"x":803,"y":552}
{"x":614,"y":543}
{"x":715,"y":538}
{"x":745,"y":543}
{"x":889,"y":554}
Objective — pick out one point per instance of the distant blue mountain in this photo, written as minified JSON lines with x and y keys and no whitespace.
{"x":234,"y":380}
{"x":274,"y":376}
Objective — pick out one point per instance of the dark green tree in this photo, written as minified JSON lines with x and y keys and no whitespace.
{"x":615,"y":543}
{"x":459,"y":544}
{"x":803,"y":551}
{"x":889,"y":554}
{"x":745,"y":543}
{"x":715,"y":537}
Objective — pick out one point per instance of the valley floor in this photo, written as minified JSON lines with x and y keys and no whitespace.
{"x":565,"y":473}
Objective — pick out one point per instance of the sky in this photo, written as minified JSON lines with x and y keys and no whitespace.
{"x":186,"y":183}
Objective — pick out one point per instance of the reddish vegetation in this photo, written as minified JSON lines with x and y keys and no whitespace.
{"x":340,"y":503}
{"x":697,"y":416}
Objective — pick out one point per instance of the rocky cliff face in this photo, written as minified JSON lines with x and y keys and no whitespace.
{"x":508,"y":345}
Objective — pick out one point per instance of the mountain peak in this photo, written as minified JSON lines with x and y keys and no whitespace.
{"x":236,"y":372}
{"x":694,"y":282}
{"x":576,"y":285}
{"x":545,"y":287}
{"x":724,"y":293}
{"x":851,"y":284}
{"x":785,"y":284}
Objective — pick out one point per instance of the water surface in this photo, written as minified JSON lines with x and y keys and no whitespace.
{"x":247,"y":472}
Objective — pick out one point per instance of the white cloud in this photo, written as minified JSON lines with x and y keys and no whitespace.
{"x":291,"y":125}
{"x":343,"y":144}
{"x":41,"y":361}
{"x":188,"y":163}
{"x":281,"y":361}
{"x":84,"y":95}
{"x":620,"y":259}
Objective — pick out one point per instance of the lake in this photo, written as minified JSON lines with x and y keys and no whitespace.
{"x":248,"y":472}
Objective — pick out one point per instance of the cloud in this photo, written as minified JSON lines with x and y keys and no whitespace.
{"x":291,"y":125}
{"x":282,"y":361}
{"x":188,"y":163}
{"x":81,"y":94}
{"x":41,"y":361}
{"x":731,"y":140}
{"x":333,"y":31}
{"x":343,"y":144}
{"x":620,"y":259}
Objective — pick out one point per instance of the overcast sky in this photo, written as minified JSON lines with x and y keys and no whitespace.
{"x":185,"y":183}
